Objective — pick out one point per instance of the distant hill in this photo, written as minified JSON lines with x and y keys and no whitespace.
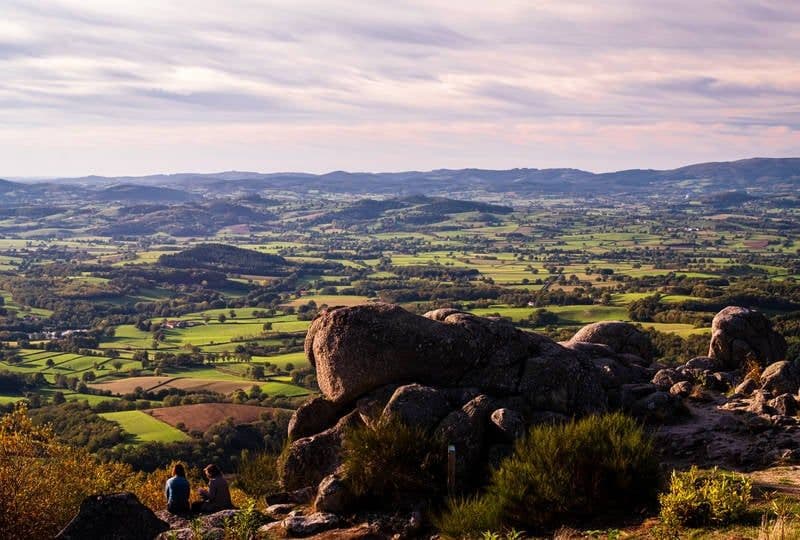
{"x":417,"y":209}
{"x":6,"y":185}
{"x":769,"y":175}
{"x":187,"y":219}
{"x":135,"y":193}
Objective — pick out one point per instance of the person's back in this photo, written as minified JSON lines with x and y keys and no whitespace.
{"x":219,"y":495}
{"x":177,"y":491}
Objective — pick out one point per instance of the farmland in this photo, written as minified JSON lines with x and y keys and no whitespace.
{"x":202,"y":416}
{"x":155,"y":326}
{"x":144,"y":427}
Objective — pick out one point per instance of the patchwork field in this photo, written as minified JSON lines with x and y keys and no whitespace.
{"x":201,"y":416}
{"x":149,"y":383}
{"x":145,"y":428}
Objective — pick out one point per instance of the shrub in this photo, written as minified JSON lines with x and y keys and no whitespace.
{"x":558,"y":474}
{"x":257,"y":475}
{"x":469,"y":515}
{"x":698,"y":498}
{"x":391,"y":459}
{"x":243,"y":525}
{"x":44,"y":481}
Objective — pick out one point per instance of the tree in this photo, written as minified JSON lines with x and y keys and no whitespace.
{"x":46,"y":480}
{"x":117,"y":365}
{"x":222,"y":318}
{"x":257,"y":372}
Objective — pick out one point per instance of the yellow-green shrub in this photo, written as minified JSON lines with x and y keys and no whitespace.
{"x":698,"y":498}
{"x":561,"y":474}
{"x":392,"y":458}
{"x":257,"y":474}
{"x":45,"y":481}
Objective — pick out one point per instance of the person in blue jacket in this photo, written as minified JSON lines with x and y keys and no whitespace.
{"x":177,"y":491}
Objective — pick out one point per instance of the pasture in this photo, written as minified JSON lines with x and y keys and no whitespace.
{"x":145,"y":428}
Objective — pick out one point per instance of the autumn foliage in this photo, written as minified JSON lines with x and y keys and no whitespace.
{"x":45,"y":481}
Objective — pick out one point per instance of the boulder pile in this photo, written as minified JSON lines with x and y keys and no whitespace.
{"x":477,"y":383}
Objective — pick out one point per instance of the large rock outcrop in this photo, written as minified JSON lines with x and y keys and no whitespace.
{"x":448,"y":372}
{"x":359,"y":349}
{"x":740,"y":335}
{"x":478,"y":384}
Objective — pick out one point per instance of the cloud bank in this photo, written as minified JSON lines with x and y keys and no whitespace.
{"x":113,"y":87}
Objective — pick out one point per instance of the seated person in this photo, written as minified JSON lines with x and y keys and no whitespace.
{"x":177,"y":491}
{"x":217,"y":497}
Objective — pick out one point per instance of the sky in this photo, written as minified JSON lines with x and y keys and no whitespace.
{"x":156,"y":86}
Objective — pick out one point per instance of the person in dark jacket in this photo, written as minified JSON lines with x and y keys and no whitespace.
{"x":177,"y":491}
{"x":217,"y":497}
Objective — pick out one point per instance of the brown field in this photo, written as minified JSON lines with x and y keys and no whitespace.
{"x":202,"y":416}
{"x":756,"y":244}
{"x":128,"y":385}
{"x":333,"y":299}
{"x":222,"y":387}
{"x":125,"y":386}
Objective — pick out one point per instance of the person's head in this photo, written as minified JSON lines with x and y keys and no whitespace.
{"x":212,"y":471}
{"x":178,"y":470}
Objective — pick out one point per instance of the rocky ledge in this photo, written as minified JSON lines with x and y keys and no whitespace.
{"x":479,"y":383}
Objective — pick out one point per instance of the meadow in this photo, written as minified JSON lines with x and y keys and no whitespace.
{"x":144,"y":427}
{"x":581,"y":262}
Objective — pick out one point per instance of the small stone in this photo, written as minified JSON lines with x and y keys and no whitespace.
{"x":509,"y":423}
{"x":332,"y":495}
{"x":311,"y":524}
{"x":700,"y":362}
{"x":780,"y":378}
{"x":298,"y":496}
{"x":658,"y":407}
{"x":681,"y":389}
{"x":666,"y":378}
{"x":279,"y":511}
{"x":746,"y":387}
{"x":785,"y":404}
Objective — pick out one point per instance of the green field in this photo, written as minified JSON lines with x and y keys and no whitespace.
{"x":582,"y":314}
{"x":145,"y":428}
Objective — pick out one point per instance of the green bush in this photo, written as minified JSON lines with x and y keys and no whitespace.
{"x":257,"y":474}
{"x":560,"y":474}
{"x":698,"y":498}
{"x":469,"y":516}
{"x":391,"y":459}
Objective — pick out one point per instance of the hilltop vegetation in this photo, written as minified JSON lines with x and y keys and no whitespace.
{"x":124,"y":314}
{"x":225,"y":258}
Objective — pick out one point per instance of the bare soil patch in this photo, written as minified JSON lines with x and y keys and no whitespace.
{"x":221,"y":387}
{"x":202,"y":416}
{"x":756,"y":244}
{"x":129,"y":384}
